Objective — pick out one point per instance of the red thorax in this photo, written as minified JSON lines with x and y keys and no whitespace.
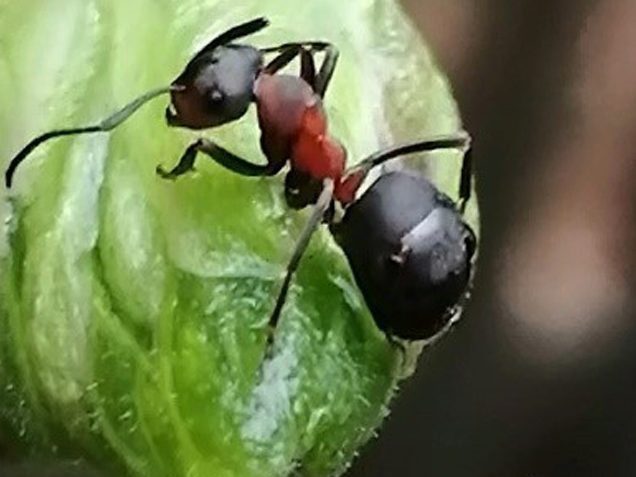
{"x":294,"y":125}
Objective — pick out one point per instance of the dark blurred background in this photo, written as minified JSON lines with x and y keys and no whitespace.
{"x":539,"y":379}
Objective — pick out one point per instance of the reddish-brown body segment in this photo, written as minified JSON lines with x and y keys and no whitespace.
{"x":294,"y":126}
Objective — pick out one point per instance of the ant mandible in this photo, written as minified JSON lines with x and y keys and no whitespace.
{"x":407,"y":243}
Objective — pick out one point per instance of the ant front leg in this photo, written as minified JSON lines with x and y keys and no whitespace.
{"x":288,"y":51}
{"x":321,"y":206}
{"x":221,"y":156}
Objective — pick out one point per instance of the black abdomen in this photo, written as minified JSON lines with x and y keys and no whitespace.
{"x":410,"y":253}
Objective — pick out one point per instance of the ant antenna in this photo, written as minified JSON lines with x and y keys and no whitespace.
{"x":105,"y":125}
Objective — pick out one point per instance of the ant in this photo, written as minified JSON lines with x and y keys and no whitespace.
{"x":409,"y":248}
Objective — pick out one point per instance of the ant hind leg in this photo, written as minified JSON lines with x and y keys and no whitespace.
{"x":354,"y":176}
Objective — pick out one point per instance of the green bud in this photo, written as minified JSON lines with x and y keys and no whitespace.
{"x":133,"y":310}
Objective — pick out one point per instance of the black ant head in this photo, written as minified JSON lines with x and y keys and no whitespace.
{"x":217,"y":85}
{"x":215,"y":89}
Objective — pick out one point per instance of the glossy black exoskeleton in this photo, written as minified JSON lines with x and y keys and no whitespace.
{"x":411,"y":254}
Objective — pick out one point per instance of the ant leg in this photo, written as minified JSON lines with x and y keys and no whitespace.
{"x":466,"y":180}
{"x":453,"y":141}
{"x":185,"y":164}
{"x":326,"y":69}
{"x":354,"y":176}
{"x":287,"y":54}
{"x":290,"y":50}
{"x":308,"y":68}
{"x":312,"y":46}
{"x":107,"y":124}
{"x":322,"y":205}
{"x":221,"y":156}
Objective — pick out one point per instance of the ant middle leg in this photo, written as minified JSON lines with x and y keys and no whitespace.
{"x":220,"y":155}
